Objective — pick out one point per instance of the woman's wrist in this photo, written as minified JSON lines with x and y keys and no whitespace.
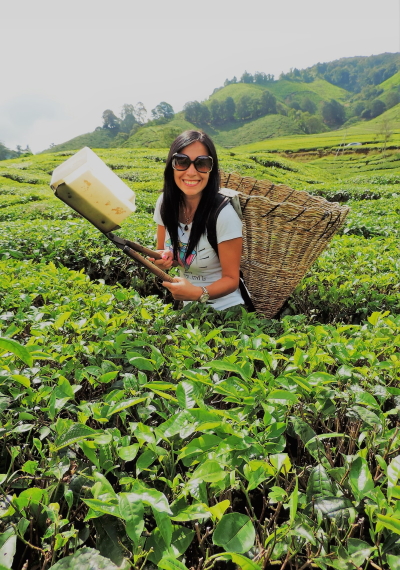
{"x":198,"y":293}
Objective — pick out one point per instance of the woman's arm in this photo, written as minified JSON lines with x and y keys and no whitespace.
{"x":160,"y":236}
{"x":230,"y":252}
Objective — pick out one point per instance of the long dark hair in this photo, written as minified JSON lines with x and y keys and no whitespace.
{"x":173,"y":197}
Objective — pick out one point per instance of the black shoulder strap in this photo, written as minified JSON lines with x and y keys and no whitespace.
{"x":211,"y":224}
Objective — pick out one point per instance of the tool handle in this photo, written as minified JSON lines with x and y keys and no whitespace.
{"x":146,"y":263}
{"x":145,"y":250}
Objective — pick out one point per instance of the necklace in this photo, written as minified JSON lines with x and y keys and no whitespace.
{"x":187,"y":218}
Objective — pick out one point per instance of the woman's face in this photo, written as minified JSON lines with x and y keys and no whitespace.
{"x":191,"y":182}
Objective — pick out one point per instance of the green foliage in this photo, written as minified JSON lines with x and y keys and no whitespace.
{"x":196,"y":113}
{"x":6,"y":153}
{"x":162,"y":110}
{"x":99,"y":138}
{"x":354,"y":73}
{"x":110,"y":121}
{"x":86,"y":559}
{"x":138,"y":436}
{"x":333,"y":113}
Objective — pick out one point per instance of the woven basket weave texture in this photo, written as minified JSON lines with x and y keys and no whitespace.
{"x":284,"y":231}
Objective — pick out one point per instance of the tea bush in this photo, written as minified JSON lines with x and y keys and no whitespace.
{"x":137,"y":436}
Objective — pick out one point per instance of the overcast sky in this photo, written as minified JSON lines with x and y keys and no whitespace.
{"x":64,"y":62}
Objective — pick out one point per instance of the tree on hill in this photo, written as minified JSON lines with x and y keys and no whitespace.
{"x":110,"y":121}
{"x":294,"y":105}
{"x":252,"y":106}
{"x":128,"y":118}
{"x":228,"y":109}
{"x":245,"y":108}
{"x":392,"y":98}
{"x":140,"y":113}
{"x":308,"y":106}
{"x":385,"y":132}
{"x":333,"y":113}
{"x":312,"y":124}
{"x":355,"y":73}
{"x":6,"y":153}
{"x":162,"y":111}
{"x":370,"y":92}
{"x":196,"y":113}
{"x":230,"y":81}
{"x":309,"y":124}
{"x":298,"y":75}
{"x":263,"y":78}
{"x":216,"y":112}
{"x":373,"y":109}
{"x":268,"y":103}
{"x":246,"y":78}
{"x":357,"y":108}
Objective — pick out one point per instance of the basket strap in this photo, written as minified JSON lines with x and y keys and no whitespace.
{"x":211,"y":223}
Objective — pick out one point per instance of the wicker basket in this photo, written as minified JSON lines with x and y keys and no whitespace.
{"x":284,"y":231}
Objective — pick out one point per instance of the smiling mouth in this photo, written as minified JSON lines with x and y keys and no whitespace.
{"x":191,"y":182}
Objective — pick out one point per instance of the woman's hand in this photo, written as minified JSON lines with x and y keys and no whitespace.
{"x":166,"y":260}
{"x":183,"y":290}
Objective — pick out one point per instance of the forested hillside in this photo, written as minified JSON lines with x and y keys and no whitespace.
{"x":325,"y":97}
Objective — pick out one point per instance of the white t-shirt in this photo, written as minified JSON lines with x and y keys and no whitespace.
{"x":203,"y":267}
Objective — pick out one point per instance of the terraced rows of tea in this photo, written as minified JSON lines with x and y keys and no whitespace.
{"x":137,"y":436}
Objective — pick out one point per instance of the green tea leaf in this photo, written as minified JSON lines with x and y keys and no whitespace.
{"x":9,"y":345}
{"x":242,"y":562}
{"x":367,"y":416}
{"x":103,"y":507}
{"x":129,"y":452}
{"x":185,"y":394}
{"x":226,"y":366}
{"x":120,"y":406}
{"x":219,"y":509}
{"x":142,"y":363}
{"x":282,"y":397}
{"x":360,"y":478}
{"x":170,"y":563}
{"x":164,"y":525}
{"x":210,"y":471}
{"x":235,"y":533}
{"x":359,"y":550}
{"x":392,"y":523}
{"x":75,"y":433}
{"x":85,"y":559}
{"x":338,"y":508}
{"x":60,"y":320}
{"x":8,"y":546}
{"x":319,"y":484}
{"x":393,"y":562}
{"x":192,"y":513}
{"x":132,"y":513}
{"x":21,"y":380}
{"x":107,"y":377}
{"x":151,"y":497}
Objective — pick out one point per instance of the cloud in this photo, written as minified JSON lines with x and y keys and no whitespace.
{"x":20,"y":114}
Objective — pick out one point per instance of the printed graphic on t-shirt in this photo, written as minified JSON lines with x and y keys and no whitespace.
{"x":182,"y":248}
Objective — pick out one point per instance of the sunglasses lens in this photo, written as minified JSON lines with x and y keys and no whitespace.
{"x":180,"y":162}
{"x":203,"y":164}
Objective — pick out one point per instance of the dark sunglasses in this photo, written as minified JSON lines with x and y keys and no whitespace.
{"x":202,"y":164}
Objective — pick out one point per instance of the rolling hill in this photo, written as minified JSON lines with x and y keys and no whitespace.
{"x":290,"y":94}
{"x":99,"y":138}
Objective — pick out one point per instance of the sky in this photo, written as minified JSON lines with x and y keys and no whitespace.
{"x":64,"y":62}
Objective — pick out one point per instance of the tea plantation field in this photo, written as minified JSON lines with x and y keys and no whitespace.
{"x":136,"y":436}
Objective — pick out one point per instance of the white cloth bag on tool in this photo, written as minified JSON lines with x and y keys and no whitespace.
{"x":86,"y":184}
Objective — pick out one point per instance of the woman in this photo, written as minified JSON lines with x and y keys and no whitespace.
{"x":191,"y":184}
